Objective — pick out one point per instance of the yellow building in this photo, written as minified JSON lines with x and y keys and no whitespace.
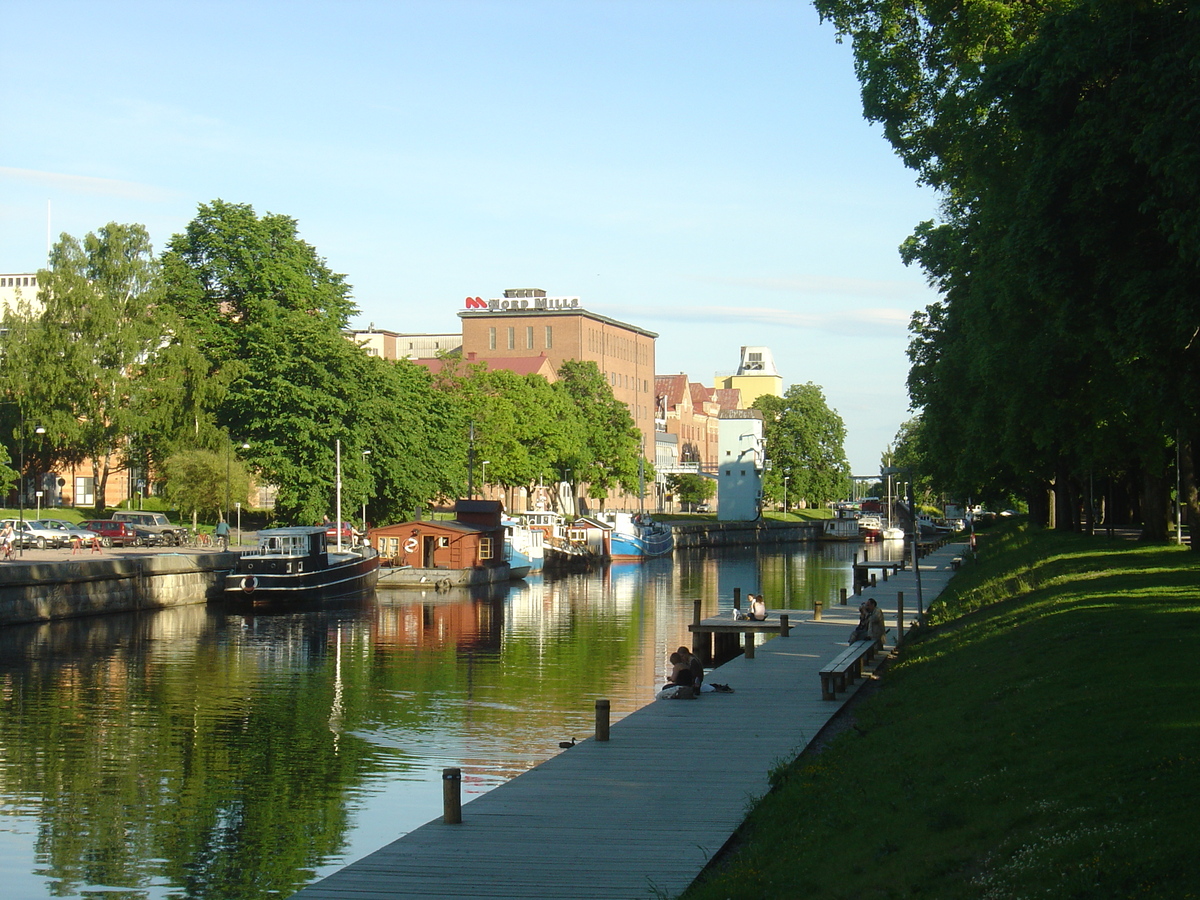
{"x":756,"y":376}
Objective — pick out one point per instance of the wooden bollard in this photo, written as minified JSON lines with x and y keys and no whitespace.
{"x":602,"y":708}
{"x":885,"y":574}
{"x":451,"y":796}
{"x":784,"y":627}
{"x":696,"y":612}
{"x":872,"y":579}
{"x":737,"y":598}
{"x":817,"y":606}
{"x":843,"y":596}
{"x":749,"y":645}
{"x":899,"y":616}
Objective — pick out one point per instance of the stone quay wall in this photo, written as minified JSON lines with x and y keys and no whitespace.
{"x":41,"y":591}
{"x":743,"y":534}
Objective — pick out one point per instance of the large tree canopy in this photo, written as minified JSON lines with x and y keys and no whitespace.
{"x":805,"y":443}
{"x":1063,"y":137}
{"x":102,"y":353}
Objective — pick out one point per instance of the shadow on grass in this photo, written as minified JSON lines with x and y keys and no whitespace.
{"x":1041,"y":743}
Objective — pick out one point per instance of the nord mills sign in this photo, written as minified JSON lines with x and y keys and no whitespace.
{"x":531,"y":304}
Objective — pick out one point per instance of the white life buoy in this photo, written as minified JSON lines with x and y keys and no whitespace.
{"x":249,"y":583}
{"x":410,"y":545}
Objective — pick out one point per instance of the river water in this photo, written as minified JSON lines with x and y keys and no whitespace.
{"x":204,"y":753}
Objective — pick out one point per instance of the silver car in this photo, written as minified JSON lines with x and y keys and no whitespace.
{"x":66,"y":531}
{"x":32,"y":534}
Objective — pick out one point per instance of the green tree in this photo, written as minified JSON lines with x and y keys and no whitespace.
{"x":99,"y":354}
{"x":691,"y":489}
{"x":1062,"y":138}
{"x":202,"y":483}
{"x":269,"y":314}
{"x":611,"y":455}
{"x":805,"y":441}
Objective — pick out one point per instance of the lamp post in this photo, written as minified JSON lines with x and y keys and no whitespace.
{"x":21,"y":485}
{"x":483,"y":476}
{"x":239,"y":521}
{"x":228,"y":462}
{"x":365,"y":454}
{"x":912,"y":514}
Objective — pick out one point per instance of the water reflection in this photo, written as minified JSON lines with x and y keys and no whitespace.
{"x":203,"y":753}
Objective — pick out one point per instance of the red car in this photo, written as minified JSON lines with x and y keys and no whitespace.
{"x":113,"y":534}
{"x":347,"y":532}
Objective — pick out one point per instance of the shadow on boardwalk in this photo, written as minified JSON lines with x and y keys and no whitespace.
{"x":641,"y":815}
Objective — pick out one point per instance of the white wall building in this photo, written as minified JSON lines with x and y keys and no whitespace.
{"x":740,"y":465}
{"x":16,"y":287}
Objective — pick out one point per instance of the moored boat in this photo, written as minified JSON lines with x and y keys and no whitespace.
{"x":842,"y":527}
{"x":294,"y":565}
{"x":636,"y":536}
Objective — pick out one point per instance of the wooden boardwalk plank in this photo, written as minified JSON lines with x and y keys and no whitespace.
{"x":638,"y":816}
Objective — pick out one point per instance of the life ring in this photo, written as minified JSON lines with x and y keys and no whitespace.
{"x":410,"y":545}
{"x":249,"y":583}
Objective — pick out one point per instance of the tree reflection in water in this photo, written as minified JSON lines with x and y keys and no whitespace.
{"x":204,"y":753}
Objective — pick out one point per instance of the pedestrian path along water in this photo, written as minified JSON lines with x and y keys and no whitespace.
{"x":640,"y":815}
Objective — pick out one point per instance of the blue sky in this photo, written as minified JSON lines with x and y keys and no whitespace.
{"x":700,"y":169}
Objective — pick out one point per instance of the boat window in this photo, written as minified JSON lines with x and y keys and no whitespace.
{"x":485,"y":548}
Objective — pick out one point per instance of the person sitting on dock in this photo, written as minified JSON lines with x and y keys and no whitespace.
{"x":692,"y":661}
{"x":864,"y":619}
{"x":681,"y":672}
{"x":758,"y":608}
{"x":875,"y":624}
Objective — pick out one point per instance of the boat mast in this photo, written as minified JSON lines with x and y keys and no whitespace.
{"x":338,"y":521}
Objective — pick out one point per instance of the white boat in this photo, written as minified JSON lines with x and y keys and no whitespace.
{"x":561,"y":545}
{"x":843,"y":526}
{"x":526,"y":547}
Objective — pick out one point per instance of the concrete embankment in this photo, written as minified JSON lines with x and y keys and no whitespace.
{"x":38,"y":591}
{"x":741,"y":534}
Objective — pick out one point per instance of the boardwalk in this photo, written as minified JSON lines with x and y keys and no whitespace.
{"x":638,"y":816}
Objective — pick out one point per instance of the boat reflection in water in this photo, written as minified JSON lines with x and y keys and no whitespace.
{"x":209,"y":752}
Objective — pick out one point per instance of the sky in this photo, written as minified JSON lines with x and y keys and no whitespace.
{"x":697,"y":168}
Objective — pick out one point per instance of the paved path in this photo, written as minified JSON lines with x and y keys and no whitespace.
{"x":607,"y":820}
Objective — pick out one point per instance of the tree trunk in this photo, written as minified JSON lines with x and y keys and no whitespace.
{"x":1154,"y":506}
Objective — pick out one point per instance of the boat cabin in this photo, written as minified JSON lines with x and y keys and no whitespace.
{"x":287,"y":550}
{"x":475,"y":538}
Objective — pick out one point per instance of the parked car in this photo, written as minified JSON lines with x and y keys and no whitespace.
{"x":34,"y":534}
{"x":347,"y":532}
{"x":154,"y":527}
{"x":21,"y":538}
{"x":114,"y":534}
{"x":69,"y":531}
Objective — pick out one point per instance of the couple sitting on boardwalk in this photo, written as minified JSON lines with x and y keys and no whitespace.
{"x":871,"y":625}
{"x":687,"y":678}
{"x":757,"y":612}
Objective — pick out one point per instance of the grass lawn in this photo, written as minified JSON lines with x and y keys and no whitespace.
{"x":1040,"y":739}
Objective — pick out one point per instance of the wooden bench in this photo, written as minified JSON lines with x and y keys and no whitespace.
{"x":956,"y":563}
{"x":846,"y":665}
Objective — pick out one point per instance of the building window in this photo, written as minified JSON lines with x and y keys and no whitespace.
{"x":549,"y":336}
{"x":512,"y":338}
{"x":492,"y":338}
{"x":85,"y":491}
{"x":528,"y":337}
{"x":485,"y":548}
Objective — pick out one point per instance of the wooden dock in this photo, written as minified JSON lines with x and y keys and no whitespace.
{"x":639,"y":815}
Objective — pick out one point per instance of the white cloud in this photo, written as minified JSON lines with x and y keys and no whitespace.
{"x":86,"y":184}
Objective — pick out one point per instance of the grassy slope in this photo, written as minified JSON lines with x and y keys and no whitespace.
{"x":1042,"y":738}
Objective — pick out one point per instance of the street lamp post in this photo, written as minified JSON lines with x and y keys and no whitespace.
{"x":228,"y":462}
{"x":21,"y":486}
{"x":239,"y":521}
{"x":912,"y":514}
